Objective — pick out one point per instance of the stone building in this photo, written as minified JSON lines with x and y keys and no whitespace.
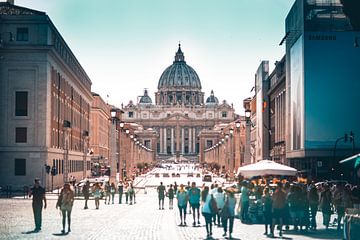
{"x":180,"y":111}
{"x":45,"y":101}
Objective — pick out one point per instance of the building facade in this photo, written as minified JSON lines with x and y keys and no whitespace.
{"x":276,"y":123}
{"x":179,"y":113}
{"x":45,"y":102}
{"x":322,"y":56}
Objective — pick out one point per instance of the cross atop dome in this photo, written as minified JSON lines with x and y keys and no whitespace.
{"x":179,"y":56}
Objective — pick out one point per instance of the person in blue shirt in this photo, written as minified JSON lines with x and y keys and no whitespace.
{"x":182,"y":198}
{"x":194,"y":200}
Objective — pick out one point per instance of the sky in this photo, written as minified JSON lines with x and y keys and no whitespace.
{"x":125,"y":45}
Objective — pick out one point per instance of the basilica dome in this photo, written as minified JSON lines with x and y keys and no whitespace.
{"x":179,"y":75}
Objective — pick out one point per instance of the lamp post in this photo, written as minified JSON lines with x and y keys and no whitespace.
{"x":66,"y":130}
{"x":114,"y":146}
{"x":86,"y":142}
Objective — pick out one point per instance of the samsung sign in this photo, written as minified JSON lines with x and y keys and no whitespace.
{"x":322,"y":37}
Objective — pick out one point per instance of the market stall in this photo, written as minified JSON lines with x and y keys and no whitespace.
{"x":266,"y":167}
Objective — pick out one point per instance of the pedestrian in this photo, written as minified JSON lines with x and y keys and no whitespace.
{"x":313,"y":198}
{"x":267,"y":209}
{"x":38,"y":194}
{"x":325,"y":204}
{"x":175,"y":187}
{"x":170,"y":194}
{"x":182,"y":199}
{"x":161,"y":194}
{"x":206,"y":210}
{"x":188,"y":186}
{"x":245,"y":192}
{"x":112,"y":192}
{"x":194,"y":200}
{"x":86,"y":193}
{"x":126,"y":190}
{"x":65,"y":203}
{"x":120,"y":187}
{"x":97,"y":194}
{"x":219,"y":196}
{"x":229,"y":212}
{"x":213,"y":190}
{"x":131,"y":193}
{"x":278,"y":208}
{"x":107,"y":190}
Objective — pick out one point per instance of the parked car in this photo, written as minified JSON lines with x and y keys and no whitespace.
{"x":190,"y":175}
{"x":157,"y":174}
{"x":207,"y":178}
{"x":166,"y":175}
{"x":198,"y":175}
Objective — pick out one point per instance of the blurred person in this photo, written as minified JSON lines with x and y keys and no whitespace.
{"x":65,"y":203}
{"x":107,"y":190}
{"x":229,"y":207}
{"x":194,"y":200}
{"x":97,"y":194}
{"x":86,"y":192}
{"x":126,"y":191}
{"x":188,"y":186}
{"x":278,"y":208}
{"x":38,"y":194}
{"x":161,"y":195}
{"x":325,"y":204}
{"x":182,"y":199}
{"x":170,"y":194}
{"x":220,"y":202}
{"x":131,"y":193}
{"x":120,"y":187}
{"x":244,"y":198}
{"x":206,"y":210}
{"x":313,"y":198}
{"x":267,"y":209}
{"x":112,"y":192}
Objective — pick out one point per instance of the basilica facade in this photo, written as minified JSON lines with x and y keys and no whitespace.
{"x":179,"y":112}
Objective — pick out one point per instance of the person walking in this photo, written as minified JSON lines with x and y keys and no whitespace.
{"x":161,"y":195}
{"x":245,"y":192}
{"x":182,"y":199}
{"x":267,"y":208}
{"x":229,"y":212}
{"x":131,"y":193}
{"x":126,"y":191}
{"x":219,"y":196}
{"x":206,"y":210}
{"x":175,"y":187}
{"x":171,"y":194}
{"x":112,"y":192}
{"x":194,"y":200}
{"x":38,"y":194}
{"x":188,"y":186}
{"x":278,"y":208}
{"x":65,"y":203}
{"x":313,"y":198}
{"x":325,"y":203}
{"x":107,"y":190}
{"x":120,"y":187}
{"x":97,"y":194}
{"x":86,"y":193}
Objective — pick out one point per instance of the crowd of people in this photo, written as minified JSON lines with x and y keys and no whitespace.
{"x":297,"y":204}
{"x":217,"y":205}
{"x":285,"y":204}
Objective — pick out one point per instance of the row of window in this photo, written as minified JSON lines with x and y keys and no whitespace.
{"x":223,"y":115}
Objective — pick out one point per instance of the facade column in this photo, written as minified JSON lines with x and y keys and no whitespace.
{"x":190,"y":139}
{"x":178,"y":138}
{"x":161,"y":141}
{"x":194,"y":140}
{"x":172,"y":140}
{"x":182,"y":141}
{"x":165,"y":142}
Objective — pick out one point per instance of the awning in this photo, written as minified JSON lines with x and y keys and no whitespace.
{"x":266,"y":167}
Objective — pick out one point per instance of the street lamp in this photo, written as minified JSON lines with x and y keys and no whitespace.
{"x":247,"y":114}
{"x":66,"y":129}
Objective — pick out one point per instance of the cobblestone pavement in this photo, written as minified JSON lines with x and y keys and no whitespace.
{"x":142,"y":220}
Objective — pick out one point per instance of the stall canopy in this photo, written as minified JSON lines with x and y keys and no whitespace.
{"x":266,"y":167}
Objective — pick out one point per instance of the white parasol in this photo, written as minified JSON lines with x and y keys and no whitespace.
{"x":266,"y":167}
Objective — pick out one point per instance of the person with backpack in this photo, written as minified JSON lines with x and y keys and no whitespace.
{"x":182,"y":199}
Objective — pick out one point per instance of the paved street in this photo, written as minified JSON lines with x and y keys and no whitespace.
{"x":140,"y":221}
